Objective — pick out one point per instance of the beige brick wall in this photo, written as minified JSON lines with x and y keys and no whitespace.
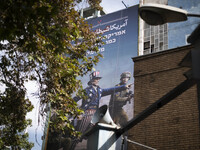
{"x":176,"y":125}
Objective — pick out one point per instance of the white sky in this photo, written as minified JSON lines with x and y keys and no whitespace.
{"x":110,"y":6}
{"x":114,"y":5}
{"x":35,"y":131}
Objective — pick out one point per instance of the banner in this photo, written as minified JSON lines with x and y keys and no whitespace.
{"x":120,"y":30}
{"x":107,"y":83}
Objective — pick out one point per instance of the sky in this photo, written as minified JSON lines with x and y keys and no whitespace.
{"x":114,"y":5}
{"x":110,"y":6}
{"x":35,"y":131}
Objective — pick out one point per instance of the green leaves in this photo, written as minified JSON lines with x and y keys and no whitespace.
{"x":47,"y":41}
{"x":13,"y":109}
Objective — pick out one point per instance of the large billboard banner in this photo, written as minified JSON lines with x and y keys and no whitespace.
{"x":115,"y":69}
{"x":111,"y":80}
{"x":120,"y":30}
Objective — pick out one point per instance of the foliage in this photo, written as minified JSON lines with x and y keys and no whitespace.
{"x":45,"y":41}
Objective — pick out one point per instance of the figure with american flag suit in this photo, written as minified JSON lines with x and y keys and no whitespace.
{"x":94,"y":93}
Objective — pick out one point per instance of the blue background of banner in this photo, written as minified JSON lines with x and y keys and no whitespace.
{"x":120,"y":46}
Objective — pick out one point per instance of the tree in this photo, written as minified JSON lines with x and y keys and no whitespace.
{"x":46,"y":41}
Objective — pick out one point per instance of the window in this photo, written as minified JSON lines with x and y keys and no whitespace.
{"x":146,"y":45}
{"x":155,"y":38}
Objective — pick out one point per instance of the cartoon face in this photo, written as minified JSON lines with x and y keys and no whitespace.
{"x":124,"y":80}
{"x":95,"y":81}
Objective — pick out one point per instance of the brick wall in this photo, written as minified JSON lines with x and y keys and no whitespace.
{"x":176,"y":125}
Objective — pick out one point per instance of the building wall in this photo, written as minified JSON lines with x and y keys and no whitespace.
{"x":176,"y":125}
